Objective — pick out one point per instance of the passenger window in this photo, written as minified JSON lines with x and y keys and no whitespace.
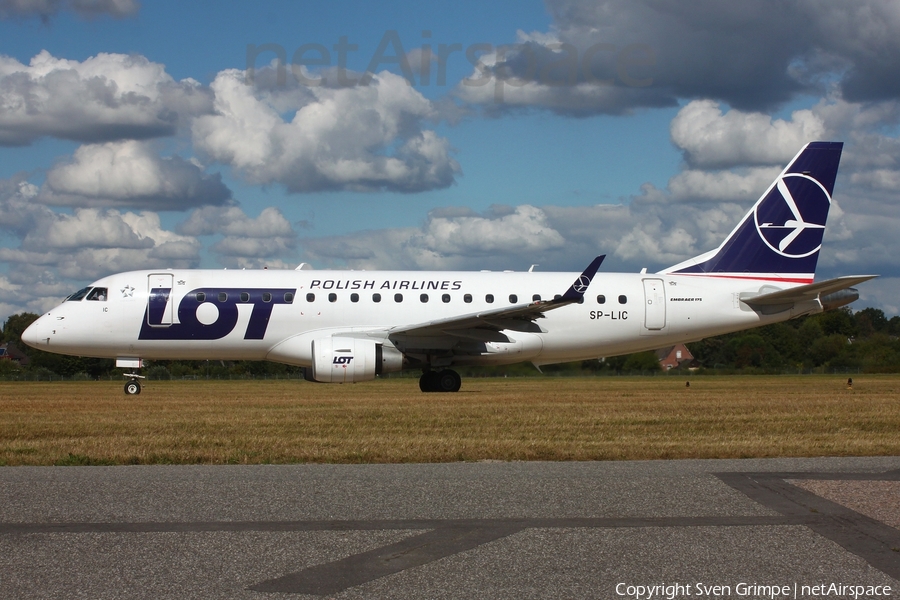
{"x":601,"y":299}
{"x":513,"y":298}
{"x":354,"y":297}
{"x":332,"y":297}
{"x":489,"y":298}
{"x":223,"y":297}
{"x":310,"y":297}
{"x":98,"y":294}
{"x":536,"y":298}
{"x":467,"y":298}
{"x":201,"y":297}
{"x":445,"y":298}
{"x":623,"y":299}
{"x":423,"y":298}
{"x":288,"y":297}
{"x":376,"y":297}
{"x":245,"y":297}
{"x":398,"y":297}
{"x":267,"y":297}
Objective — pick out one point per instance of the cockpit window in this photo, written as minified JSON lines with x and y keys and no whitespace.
{"x":79,"y":295}
{"x":98,"y":293}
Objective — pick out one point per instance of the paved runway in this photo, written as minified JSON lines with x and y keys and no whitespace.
{"x":655,"y":529}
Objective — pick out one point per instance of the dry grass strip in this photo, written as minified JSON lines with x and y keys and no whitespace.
{"x":226,"y":422}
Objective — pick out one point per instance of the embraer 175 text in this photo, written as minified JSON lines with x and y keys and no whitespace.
{"x":347,"y":326}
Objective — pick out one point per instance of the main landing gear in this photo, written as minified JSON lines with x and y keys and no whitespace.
{"x":447,"y":380}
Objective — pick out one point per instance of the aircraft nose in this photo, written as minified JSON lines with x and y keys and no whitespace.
{"x":34,"y":334}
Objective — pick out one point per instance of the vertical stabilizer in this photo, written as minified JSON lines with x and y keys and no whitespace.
{"x":779,"y":239}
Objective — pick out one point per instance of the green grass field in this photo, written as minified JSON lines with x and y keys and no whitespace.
{"x":617,"y":418}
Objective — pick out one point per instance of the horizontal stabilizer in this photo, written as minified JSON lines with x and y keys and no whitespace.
{"x":807,"y":292}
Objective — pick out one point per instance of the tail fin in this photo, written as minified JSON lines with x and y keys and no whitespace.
{"x":779,"y":239}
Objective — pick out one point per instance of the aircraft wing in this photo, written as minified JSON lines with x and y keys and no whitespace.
{"x":807,"y":292}
{"x":520,"y":317}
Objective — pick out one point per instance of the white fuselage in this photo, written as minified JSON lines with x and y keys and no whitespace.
{"x":245,"y":314}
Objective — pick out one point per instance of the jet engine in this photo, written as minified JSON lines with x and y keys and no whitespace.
{"x":839,"y":298}
{"x":346,"y":360}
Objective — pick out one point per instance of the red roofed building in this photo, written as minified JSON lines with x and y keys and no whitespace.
{"x":677,"y":356}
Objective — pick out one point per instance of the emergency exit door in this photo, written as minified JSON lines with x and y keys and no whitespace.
{"x":654,"y":304}
{"x":160,"y":307}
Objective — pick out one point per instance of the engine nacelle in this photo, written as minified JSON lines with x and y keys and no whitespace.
{"x":346,"y":360}
{"x":839,"y":298}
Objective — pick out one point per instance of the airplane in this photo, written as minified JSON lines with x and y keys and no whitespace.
{"x":349,"y":326}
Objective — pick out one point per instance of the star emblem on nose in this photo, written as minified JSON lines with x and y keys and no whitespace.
{"x":127,"y":292}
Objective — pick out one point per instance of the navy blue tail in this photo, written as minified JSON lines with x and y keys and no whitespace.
{"x":781,"y":235}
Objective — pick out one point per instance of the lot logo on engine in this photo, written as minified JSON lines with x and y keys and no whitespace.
{"x":342,"y":360}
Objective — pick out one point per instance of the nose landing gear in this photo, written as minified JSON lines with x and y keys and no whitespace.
{"x":133,"y":385}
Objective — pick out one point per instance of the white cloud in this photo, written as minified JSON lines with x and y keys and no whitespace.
{"x":879,"y":179}
{"x":524,"y":229}
{"x":130,"y":174}
{"x":508,"y":238}
{"x":578,"y":99}
{"x":18,"y":211}
{"x":555,"y":237}
{"x":252,"y":247}
{"x":8,"y":289}
{"x":231,"y":220}
{"x":617,"y":56}
{"x":711,"y":138}
{"x":90,"y":264}
{"x":871,"y":151}
{"x":659,"y":227}
{"x":90,"y":228}
{"x":881,"y":292}
{"x":59,"y":252}
{"x":844,"y":119}
{"x":862,"y":223}
{"x":105,"y":97}
{"x":364,"y":137}
{"x":247,"y":241}
{"x":449,"y":239}
{"x":722,"y":186}
{"x":653,"y":234}
{"x":651,"y":240}
{"x":35,"y":294}
{"x":92,"y":242}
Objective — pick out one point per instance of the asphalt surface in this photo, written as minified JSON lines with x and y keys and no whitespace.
{"x":462,"y":530}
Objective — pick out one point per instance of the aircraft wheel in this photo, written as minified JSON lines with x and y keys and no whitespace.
{"x":133,"y":387}
{"x":448,"y":380}
{"x":428,"y":381}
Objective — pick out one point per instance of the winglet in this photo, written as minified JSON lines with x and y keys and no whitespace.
{"x":576,"y":291}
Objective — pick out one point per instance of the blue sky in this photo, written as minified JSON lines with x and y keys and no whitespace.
{"x":130,"y":138}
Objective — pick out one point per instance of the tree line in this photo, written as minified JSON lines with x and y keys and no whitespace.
{"x":865,"y":341}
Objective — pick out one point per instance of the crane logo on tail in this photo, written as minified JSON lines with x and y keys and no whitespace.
{"x":791,"y":219}
{"x":582,"y":284}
